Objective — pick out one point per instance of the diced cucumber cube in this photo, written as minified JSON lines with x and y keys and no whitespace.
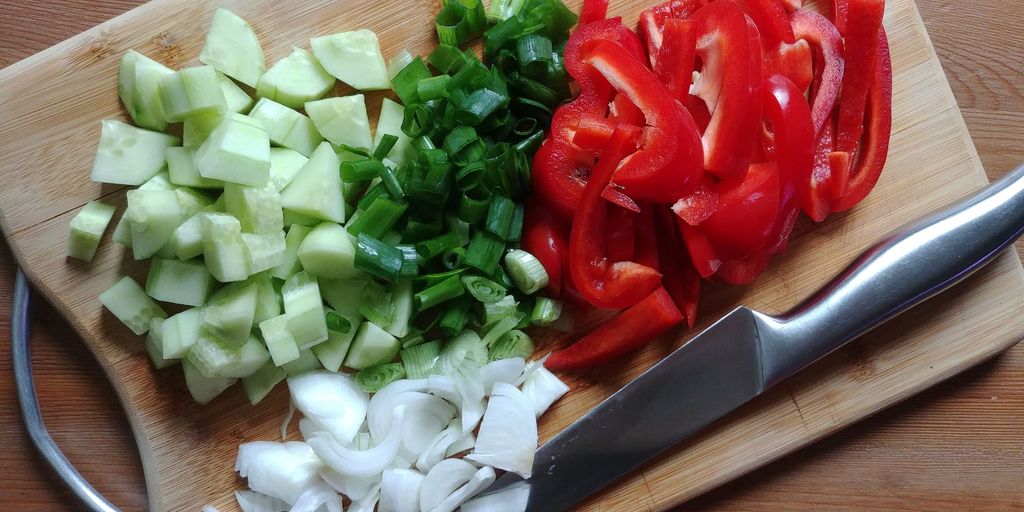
{"x":127,"y":155}
{"x":154,"y":345}
{"x":258,"y":209}
{"x":304,"y":307}
{"x":179,"y":282}
{"x":371,"y":346}
{"x":159,"y":181}
{"x":328,"y":251}
{"x":229,"y":319}
{"x":260,"y":384}
{"x":196,"y":129}
{"x":238,"y":101}
{"x":215,"y":360}
{"x":130,"y":304}
{"x":342,"y":120}
{"x":181,"y":167}
{"x":87,"y":228}
{"x":122,"y":231}
{"x":233,"y":49}
{"x":292,"y":241}
{"x":354,"y":58}
{"x":295,"y":79}
{"x":331,"y":353}
{"x":284,"y":165}
{"x":401,"y":309}
{"x":279,"y":340}
{"x":287,"y":127}
{"x":264,"y":251}
{"x":343,"y":295}
{"x":390,"y":123}
{"x":153,"y":215}
{"x":203,"y":389}
{"x":180,"y":332}
{"x":187,"y":239}
{"x":238,"y":151}
{"x":223,"y":247}
{"x":316,"y":189}
{"x":306,"y":362}
{"x":138,"y":83}
{"x":268,"y":300}
{"x":192,"y":201}
{"x":292,"y":219}
{"x":166,"y":251}
{"x":191,"y":91}
{"x":309,"y":327}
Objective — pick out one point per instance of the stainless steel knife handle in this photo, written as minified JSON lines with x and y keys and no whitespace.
{"x":913,"y":264}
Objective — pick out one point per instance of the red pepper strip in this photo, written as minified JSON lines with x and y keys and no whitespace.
{"x":743,"y":223}
{"x":621,"y":234}
{"x":624,"y":111}
{"x":794,"y":61}
{"x":840,"y":13}
{"x":559,"y":166}
{"x":792,"y":148}
{"x":792,"y":5}
{"x":745,"y":270}
{"x":839,"y":162}
{"x":646,"y":239}
{"x":544,"y":238}
{"x":593,"y":132}
{"x":861,"y":41}
{"x":816,"y":199}
{"x":681,"y":279}
{"x":771,"y":21}
{"x":652,"y":22}
{"x":676,"y":61}
{"x":723,"y":45}
{"x":875,"y":147}
{"x":604,"y":284}
{"x":636,"y":326}
{"x":817,"y":30}
{"x":699,"y":205}
{"x":593,"y":10}
{"x":699,"y":247}
{"x":699,"y":110}
{"x":669,"y":160}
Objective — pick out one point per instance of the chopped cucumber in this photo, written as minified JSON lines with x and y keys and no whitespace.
{"x":122,"y":233}
{"x":127,"y":155}
{"x":258,"y":210}
{"x":181,"y":166}
{"x":292,"y":241}
{"x":401,"y":309}
{"x":291,"y":218}
{"x":264,"y":251}
{"x":180,"y":332}
{"x":229,"y":319}
{"x":215,"y":360}
{"x":233,"y":49}
{"x":390,"y":123}
{"x":284,"y":165}
{"x":331,"y":353}
{"x":191,"y":91}
{"x":287,"y":127}
{"x":159,"y":181}
{"x":342,"y":120}
{"x":279,"y":340}
{"x":260,"y":384}
{"x":316,"y":190}
{"x":153,"y":215}
{"x":237,"y":151}
{"x":196,"y":129}
{"x":187,"y":239}
{"x":306,"y":362}
{"x":343,"y":295}
{"x":372,"y":346}
{"x":130,"y":304}
{"x":304,"y":307}
{"x":237,"y":100}
{"x":154,"y":344}
{"x":295,"y":79}
{"x":203,"y":389}
{"x":223,"y":247}
{"x":138,"y":83}
{"x":87,"y":228}
{"x":179,"y":282}
{"x":328,"y":251}
{"x":354,"y":58}
{"x":192,"y":201}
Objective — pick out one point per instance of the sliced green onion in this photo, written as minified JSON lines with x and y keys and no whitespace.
{"x":410,"y":261}
{"x":418,"y":120}
{"x":463,"y":145}
{"x":375,"y":304}
{"x":494,"y":311}
{"x":470,"y":176}
{"x":337,"y":323}
{"x":399,"y":62}
{"x":501,"y":277}
{"x":472,"y":109}
{"x":501,"y":34}
{"x":418,"y":230}
{"x":555,"y":17}
{"x":358,"y":151}
{"x":515,"y":231}
{"x":545,"y":311}
{"x":455,"y":317}
{"x":413,"y":339}
{"x":376,"y":190}
{"x":378,"y":218}
{"x":453,"y":258}
{"x":392,"y":238}
{"x":475,"y":14}
{"x":534,"y":53}
{"x":526,"y":270}
{"x":404,"y":83}
{"x":471,"y":209}
{"x":378,"y":258}
{"x":504,"y":9}
{"x":423,"y":143}
{"x":499,"y":327}
{"x":473,"y":74}
{"x":514,"y":343}
{"x":389,"y":177}
{"x":439,"y":293}
{"x":483,"y":289}
{"x":499,"y":216}
{"x":374,"y":378}
{"x":430,"y":249}
{"x":530,"y":144}
{"x":387,"y":142}
{"x":465,"y":347}
{"x":433,"y":88}
{"x":457,"y":226}
{"x":447,"y":59}
{"x":528,"y":88}
{"x":452,"y":26}
{"x":421,"y":360}
{"x":484,"y":252}
{"x":525,"y":126}
{"x":353,"y":171}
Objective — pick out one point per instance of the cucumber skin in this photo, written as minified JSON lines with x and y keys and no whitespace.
{"x":371,"y":346}
{"x":130,"y":304}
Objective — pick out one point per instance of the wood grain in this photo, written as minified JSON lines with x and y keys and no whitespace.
{"x":809,"y":496}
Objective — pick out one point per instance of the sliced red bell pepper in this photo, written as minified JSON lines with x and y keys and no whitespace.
{"x":771,"y":21}
{"x":839,"y":162}
{"x":861,"y":57}
{"x":743,"y":222}
{"x":546,"y":239}
{"x":652,"y":22}
{"x":624,"y":111}
{"x":697,"y":206}
{"x":794,"y":61}
{"x":636,"y":326}
{"x":702,"y":255}
{"x":816,"y":199}
{"x":676,"y":58}
{"x":791,"y":148}
{"x":874,"y":148}
{"x":593,"y":10}
{"x":593,"y":132}
{"x":603,"y":283}
{"x":839,"y":14}
{"x":744,"y":271}
{"x":815,"y":29}
{"x":669,"y":159}
{"x":792,"y":5}
{"x":621,"y":234}
{"x":645,"y":250}
{"x":681,"y":279}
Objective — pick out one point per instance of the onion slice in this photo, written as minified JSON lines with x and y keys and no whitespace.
{"x":355,"y":488}
{"x":317,"y":496}
{"x":252,"y":501}
{"x":280,"y":470}
{"x":543,"y":388}
{"x":359,"y":463}
{"x":400,"y":490}
{"x":482,"y":479}
{"x":508,"y":434}
{"x":332,"y":401}
{"x":442,"y":480}
{"x":502,"y":370}
{"x":510,"y":499}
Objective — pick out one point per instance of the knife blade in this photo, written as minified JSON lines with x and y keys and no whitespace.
{"x":747,"y":352}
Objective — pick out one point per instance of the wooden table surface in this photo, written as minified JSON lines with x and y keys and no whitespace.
{"x":956,"y":447}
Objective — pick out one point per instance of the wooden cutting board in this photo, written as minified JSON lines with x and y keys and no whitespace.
{"x":52,"y":103}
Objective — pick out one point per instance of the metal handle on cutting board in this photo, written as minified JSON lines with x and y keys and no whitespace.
{"x":912,"y":264}
{"x":22,"y":359}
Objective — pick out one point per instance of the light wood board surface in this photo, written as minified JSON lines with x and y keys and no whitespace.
{"x":825,"y":404}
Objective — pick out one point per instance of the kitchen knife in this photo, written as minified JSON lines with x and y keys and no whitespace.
{"x":747,"y":352}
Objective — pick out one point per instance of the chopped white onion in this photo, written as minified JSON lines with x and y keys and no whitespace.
{"x":543,"y":388}
{"x":252,"y":501}
{"x":442,"y":480}
{"x":510,"y":499}
{"x":353,"y":487}
{"x":531,"y":367}
{"x":482,"y":479}
{"x":281,"y":470}
{"x":316,"y":498}
{"x":443,"y":386}
{"x":332,"y":400}
{"x":379,"y":410}
{"x":400,"y":490}
{"x":358,"y":463}
{"x":437,"y":449}
{"x":508,"y":434}
{"x":287,"y":420}
{"x":367,"y":504}
{"x":502,"y":370}
{"x":471,"y":389}
{"x":462,"y":444}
